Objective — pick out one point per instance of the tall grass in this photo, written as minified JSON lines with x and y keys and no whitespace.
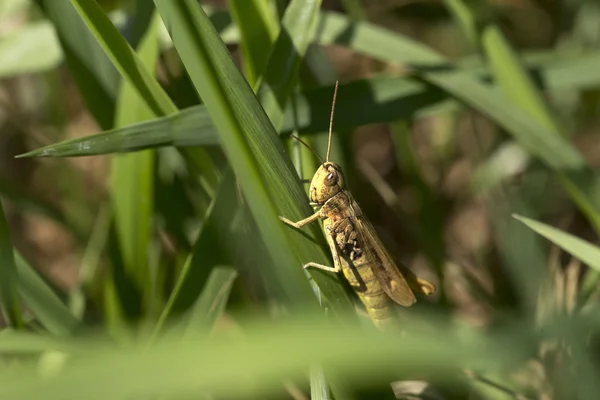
{"x":189,"y":286}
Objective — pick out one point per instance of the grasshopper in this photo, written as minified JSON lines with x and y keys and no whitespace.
{"x":355,"y":246}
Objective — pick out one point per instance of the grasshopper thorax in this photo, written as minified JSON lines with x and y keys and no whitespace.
{"x":326,"y":183}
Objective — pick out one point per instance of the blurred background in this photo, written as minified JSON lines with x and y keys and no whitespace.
{"x":440,"y":184}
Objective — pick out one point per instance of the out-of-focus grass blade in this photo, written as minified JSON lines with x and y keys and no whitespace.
{"x":578,"y":248}
{"x":504,"y":63}
{"x":385,"y":45}
{"x":355,"y":9}
{"x":319,"y":389}
{"x":123,"y":57}
{"x":90,"y":260}
{"x":536,"y":137}
{"x":96,"y":77}
{"x":205,"y":254}
{"x":281,"y":74}
{"x":258,"y":27}
{"x":9,"y":277}
{"x":42,"y":301}
{"x":520,"y":89}
{"x":212,"y":301}
{"x":267,"y":179}
{"x":359,"y":103}
{"x":132,"y":176}
{"x":31,"y":49}
{"x":30,"y":203}
{"x":186,"y":369}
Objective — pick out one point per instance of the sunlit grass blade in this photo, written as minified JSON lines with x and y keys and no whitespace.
{"x":382,"y":100}
{"x":43,"y":302}
{"x":258,"y":27}
{"x":251,"y":144}
{"x":9,"y":277}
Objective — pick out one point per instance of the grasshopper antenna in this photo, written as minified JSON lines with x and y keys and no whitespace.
{"x":308,"y":147}
{"x":331,"y":120}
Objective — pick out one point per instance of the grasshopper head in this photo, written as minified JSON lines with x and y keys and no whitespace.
{"x":326,"y":183}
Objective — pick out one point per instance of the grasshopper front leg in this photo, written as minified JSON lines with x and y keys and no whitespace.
{"x":302,"y":222}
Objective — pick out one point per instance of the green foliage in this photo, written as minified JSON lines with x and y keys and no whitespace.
{"x":189,"y":286}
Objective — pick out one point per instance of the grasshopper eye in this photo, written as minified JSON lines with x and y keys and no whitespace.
{"x":331,"y":179}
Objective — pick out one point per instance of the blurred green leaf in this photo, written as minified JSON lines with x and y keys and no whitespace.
{"x":578,"y":248}
{"x":519,"y":87}
{"x":42,"y":301}
{"x":281,"y":73}
{"x":214,"y":234}
{"x":30,"y":49}
{"x":212,"y":301}
{"x":9,"y":277}
{"x":96,"y":77}
{"x":258,"y":26}
{"x":192,"y":367}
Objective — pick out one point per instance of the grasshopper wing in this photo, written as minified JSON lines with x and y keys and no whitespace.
{"x":391,"y":279}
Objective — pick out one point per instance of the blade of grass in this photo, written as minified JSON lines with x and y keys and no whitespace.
{"x":382,"y":100}
{"x":9,"y":278}
{"x":578,"y":248}
{"x":200,"y":365}
{"x":96,"y":77}
{"x":131,"y":67}
{"x":42,"y":301}
{"x":211,"y":303}
{"x":551,"y":148}
{"x":281,"y":73}
{"x":258,"y":28}
{"x":270,"y":186}
{"x":214,"y":234}
{"x":132,"y":176}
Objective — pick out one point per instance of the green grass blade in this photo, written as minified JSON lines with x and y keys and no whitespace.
{"x":132,"y":176}
{"x":205,"y":255}
{"x":554,"y":150}
{"x":258,"y":27}
{"x":96,"y":77}
{"x":123,"y":57}
{"x":199,"y":365}
{"x":276,"y":85}
{"x":9,"y":278}
{"x":507,"y":68}
{"x":42,"y":301}
{"x":382,"y":100}
{"x":251,"y":144}
{"x":355,"y":9}
{"x":578,"y":248}
{"x":544,"y":143}
{"x":211,"y":303}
